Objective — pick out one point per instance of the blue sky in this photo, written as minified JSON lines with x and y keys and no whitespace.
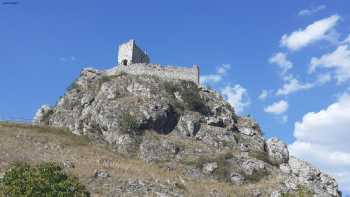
{"x":243,"y":48}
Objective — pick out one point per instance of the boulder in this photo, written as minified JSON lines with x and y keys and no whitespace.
{"x":189,"y":124}
{"x":303,"y":170}
{"x":276,"y":194}
{"x":251,"y":167}
{"x":285,"y":168}
{"x":252,"y":144}
{"x":329,"y":184}
{"x":68,"y":164}
{"x":304,"y":174}
{"x":101,"y":174}
{"x":277,"y":151}
{"x":209,"y":168}
{"x":216,"y":137}
{"x":236,"y":178}
{"x":248,"y":126}
{"x":42,"y":115}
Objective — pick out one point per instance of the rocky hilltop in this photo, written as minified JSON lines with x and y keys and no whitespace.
{"x":186,"y":130}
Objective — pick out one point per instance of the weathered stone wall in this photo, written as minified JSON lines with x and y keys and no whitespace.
{"x":138,"y":56}
{"x":130,"y":52}
{"x":165,"y":72}
{"x":125,"y":52}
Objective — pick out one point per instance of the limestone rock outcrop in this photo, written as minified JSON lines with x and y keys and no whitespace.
{"x":41,"y":116}
{"x":182,"y":127}
{"x":305,"y":174}
{"x":277,"y":151}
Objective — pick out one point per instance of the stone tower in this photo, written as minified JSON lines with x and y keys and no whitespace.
{"x":130,"y":53}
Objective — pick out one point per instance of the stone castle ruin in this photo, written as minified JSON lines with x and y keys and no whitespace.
{"x":129,"y":53}
{"x":133,"y":60}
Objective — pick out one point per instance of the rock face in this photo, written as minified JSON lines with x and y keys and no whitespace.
{"x":277,"y":151}
{"x":305,"y":174}
{"x":182,"y":127}
{"x":41,"y":116}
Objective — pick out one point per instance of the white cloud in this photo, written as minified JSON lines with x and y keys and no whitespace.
{"x":277,"y":108}
{"x":339,"y":60}
{"x":216,"y":77}
{"x":314,"y":10}
{"x":293,"y":85}
{"x":223,"y":69}
{"x":323,"y":139}
{"x":281,"y":60}
{"x":346,"y":40}
{"x":66,"y":59}
{"x":263,"y":95}
{"x":323,"y":78}
{"x":213,"y":78}
{"x":316,"y":31}
{"x":237,"y":96}
{"x":284,"y":118}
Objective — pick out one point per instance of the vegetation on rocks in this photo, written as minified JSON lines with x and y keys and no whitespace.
{"x":186,"y":134}
{"x":128,"y":124}
{"x":47,"y":179}
{"x":189,"y":93}
{"x":301,"y":192}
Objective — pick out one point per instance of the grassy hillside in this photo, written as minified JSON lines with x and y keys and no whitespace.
{"x":82,"y":158}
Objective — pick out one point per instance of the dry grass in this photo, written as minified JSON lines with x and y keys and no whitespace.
{"x":35,"y":144}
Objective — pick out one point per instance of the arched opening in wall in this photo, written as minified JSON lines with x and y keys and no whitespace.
{"x":124,"y":62}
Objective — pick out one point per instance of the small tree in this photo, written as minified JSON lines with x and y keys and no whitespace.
{"x":128,"y":123}
{"x":189,"y":93}
{"x":46,"y":179}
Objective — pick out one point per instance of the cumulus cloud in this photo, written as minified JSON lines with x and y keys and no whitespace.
{"x":277,"y":108}
{"x":217,"y":76}
{"x":213,"y":78}
{"x":338,"y":60}
{"x":281,"y":60}
{"x":319,"y":30}
{"x":263,"y":95}
{"x":347,"y":40}
{"x":293,"y":85}
{"x":323,"y":78}
{"x":68,"y":59}
{"x":284,"y":119}
{"x":223,"y":69}
{"x":237,"y":96}
{"x":311,"y":11}
{"x":323,"y":139}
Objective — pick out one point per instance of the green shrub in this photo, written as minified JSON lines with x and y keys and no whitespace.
{"x":193,"y":100}
{"x":170,"y":87}
{"x":128,"y":123}
{"x":263,"y":156}
{"x":105,"y":78}
{"x":189,"y":93}
{"x":301,"y":192}
{"x":46,"y":116}
{"x":224,"y":169}
{"x":47,"y":179}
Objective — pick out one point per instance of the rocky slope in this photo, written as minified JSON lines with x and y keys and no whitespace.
{"x":187,"y":130}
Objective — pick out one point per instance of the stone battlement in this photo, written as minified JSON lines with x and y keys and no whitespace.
{"x":164,"y":72}
{"x":133,"y":60}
